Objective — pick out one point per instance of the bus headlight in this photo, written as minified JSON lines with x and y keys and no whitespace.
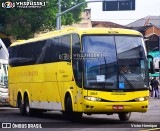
{"x":142,"y":98}
{"x":91,"y":98}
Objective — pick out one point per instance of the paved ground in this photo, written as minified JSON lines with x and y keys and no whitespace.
{"x":89,"y":123}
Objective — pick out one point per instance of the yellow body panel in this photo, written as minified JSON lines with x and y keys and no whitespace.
{"x":44,"y":82}
{"x":113,"y":99}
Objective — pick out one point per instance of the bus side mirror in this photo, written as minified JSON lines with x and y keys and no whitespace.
{"x":152,"y":70}
{"x":151,"y":64}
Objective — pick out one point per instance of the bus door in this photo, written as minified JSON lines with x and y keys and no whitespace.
{"x":64,"y":77}
{"x":77,"y":72}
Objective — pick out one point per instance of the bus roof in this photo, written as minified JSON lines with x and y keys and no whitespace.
{"x":80,"y":31}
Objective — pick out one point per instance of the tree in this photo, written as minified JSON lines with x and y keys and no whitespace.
{"x":23,"y":23}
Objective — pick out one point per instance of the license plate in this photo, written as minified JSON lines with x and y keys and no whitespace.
{"x":118,"y":107}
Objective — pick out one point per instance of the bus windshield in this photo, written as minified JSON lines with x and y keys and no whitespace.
{"x":120,"y":63}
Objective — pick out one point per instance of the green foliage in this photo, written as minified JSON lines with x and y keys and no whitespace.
{"x":23,"y":23}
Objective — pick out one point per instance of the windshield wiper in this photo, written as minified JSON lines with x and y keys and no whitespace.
{"x":128,"y":82}
{"x":105,"y":71}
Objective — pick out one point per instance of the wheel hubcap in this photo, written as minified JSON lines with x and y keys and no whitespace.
{"x":27,"y":109}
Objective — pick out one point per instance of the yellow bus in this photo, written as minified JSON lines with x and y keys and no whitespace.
{"x":80,"y":71}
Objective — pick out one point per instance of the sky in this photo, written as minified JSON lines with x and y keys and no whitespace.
{"x":143,"y":8}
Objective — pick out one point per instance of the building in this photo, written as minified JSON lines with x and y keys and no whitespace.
{"x":150,"y":28}
{"x":154,"y":20}
{"x":106,"y":24}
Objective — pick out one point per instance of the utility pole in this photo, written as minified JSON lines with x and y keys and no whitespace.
{"x":58,"y":16}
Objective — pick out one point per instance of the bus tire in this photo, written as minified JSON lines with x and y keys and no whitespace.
{"x":69,"y":110}
{"x":68,"y":106}
{"x":20,"y":105}
{"x":28,"y":110}
{"x":124,"y":116}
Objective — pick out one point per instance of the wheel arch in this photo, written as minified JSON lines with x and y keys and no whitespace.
{"x":19,"y":94}
{"x":69,"y":94}
{"x":26,"y":94}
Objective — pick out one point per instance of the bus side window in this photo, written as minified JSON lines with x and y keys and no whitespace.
{"x":37,"y":49}
{"x":65,"y":48}
{"x":75,"y":60}
{"x":29,"y":53}
{"x":13,"y":55}
{"x":57,"y":46}
{"x":49,"y":52}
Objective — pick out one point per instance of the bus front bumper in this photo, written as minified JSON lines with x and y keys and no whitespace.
{"x":114,"y":107}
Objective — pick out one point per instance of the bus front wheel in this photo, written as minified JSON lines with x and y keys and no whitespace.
{"x":124,"y":116}
{"x":69,"y":110}
{"x":68,"y":106}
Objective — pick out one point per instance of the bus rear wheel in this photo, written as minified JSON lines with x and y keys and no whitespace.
{"x":124,"y":116}
{"x":28,"y":110}
{"x":20,"y":105}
